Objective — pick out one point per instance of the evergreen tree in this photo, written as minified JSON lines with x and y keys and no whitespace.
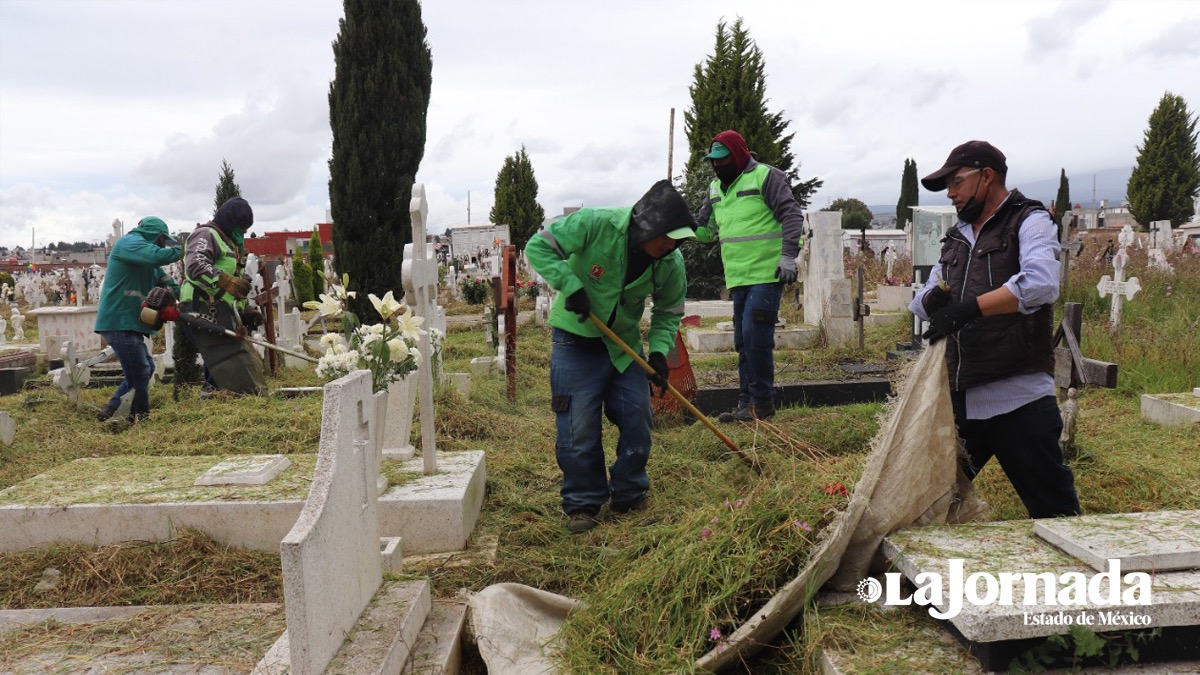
{"x":729,"y":92}
{"x":516,"y":199}
{"x":378,"y":102}
{"x":855,"y":214}
{"x":227,"y":187}
{"x":1167,"y":175}
{"x":910,"y":196}
{"x":316,"y":263}
{"x":1062,"y":200}
{"x":302,"y":280}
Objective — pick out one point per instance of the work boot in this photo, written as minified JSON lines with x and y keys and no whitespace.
{"x":104,"y":413}
{"x":640,"y":504}
{"x":747,"y":413}
{"x":580,"y":522}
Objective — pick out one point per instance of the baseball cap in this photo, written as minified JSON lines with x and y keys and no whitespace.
{"x":718,"y":151}
{"x":682,"y":233}
{"x":973,"y":154}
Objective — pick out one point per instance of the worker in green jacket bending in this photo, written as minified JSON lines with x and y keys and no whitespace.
{"x":215,"y":289}
{"x":607,"y":261}
{"x":754,"y":215}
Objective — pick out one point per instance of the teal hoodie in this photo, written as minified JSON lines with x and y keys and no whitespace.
{"x":133,"y":270}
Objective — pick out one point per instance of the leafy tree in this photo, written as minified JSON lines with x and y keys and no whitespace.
{"x":1167,"y":174}
{"x":910,"y":196}
{"x":516,"y":199}
{"x":302,"y":280}
{"x":1062,"y":200}
{"x":378,"y":102}
{"x":729,"y":92}
{"x":316,"y":262}
{"x":855,"y":214}
{"x":227,"y":187}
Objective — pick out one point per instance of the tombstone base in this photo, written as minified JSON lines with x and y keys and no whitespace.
{"x":1171,"y":409}
{"x":709,"y":340}
{"x":436,"y":513}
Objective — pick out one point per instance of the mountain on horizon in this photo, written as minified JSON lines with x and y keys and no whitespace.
{"x":1110,"y":185}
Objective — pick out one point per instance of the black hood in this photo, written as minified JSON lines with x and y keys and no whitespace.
{"x":234,"y":214}
{"x":659,"y":211}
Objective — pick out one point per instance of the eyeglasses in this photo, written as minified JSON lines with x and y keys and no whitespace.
{"x":958,"y":180}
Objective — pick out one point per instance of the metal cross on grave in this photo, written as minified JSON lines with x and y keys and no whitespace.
{"x":419,"y":275}
{"x":508,"y":305}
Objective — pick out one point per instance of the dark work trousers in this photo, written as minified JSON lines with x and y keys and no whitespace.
{"x":1025,"y":442}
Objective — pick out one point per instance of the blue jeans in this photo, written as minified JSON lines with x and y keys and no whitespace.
{"x":755,"y":312}
{"x":582,"y":382}
{"x":1025,"y":442}
{"x":137,"y":367}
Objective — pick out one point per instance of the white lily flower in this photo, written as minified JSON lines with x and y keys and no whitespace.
{"x":416,"y":355}
{"x":409,"y":325}
{"x":387,"y":306}
{"x":327,"y":306}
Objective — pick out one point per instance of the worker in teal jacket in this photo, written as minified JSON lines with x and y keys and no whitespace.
{"x":752,"y":212}
{"x":607,"y":261}
{"x":134,"y":269}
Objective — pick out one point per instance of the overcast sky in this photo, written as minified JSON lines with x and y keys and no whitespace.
{"x":125,"y":108}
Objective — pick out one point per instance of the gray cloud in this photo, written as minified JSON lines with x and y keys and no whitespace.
{"x":1058,"y":31}
{"x":1181,"y":39}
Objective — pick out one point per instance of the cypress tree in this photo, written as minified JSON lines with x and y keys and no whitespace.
{"x":1062,"y":200}
{"x":516,"y":199}
{"x":1167,"y":175}
{"x":302,"y":280}
{"x":227,"y":187}
{"x":377,"y":109}
{"x":316,"y":263}
{"x":729,"y":92}
{"x":910,"y":196}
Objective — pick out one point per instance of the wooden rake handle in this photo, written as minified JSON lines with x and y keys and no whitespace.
{"x":683,"y":400}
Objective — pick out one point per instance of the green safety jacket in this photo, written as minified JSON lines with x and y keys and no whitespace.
{"x":202,"y":267}
{"x":589,"y":249}
{"x":751,"y":236}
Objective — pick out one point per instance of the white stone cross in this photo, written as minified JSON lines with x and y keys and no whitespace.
{"x":73,"y":376}
{"x":1117,"y":285}
{"x":419,"y":275}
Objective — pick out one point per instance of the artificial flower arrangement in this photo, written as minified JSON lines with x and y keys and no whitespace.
{"x":387,"y":349}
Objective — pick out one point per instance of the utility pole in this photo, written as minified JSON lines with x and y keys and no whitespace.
{"x":671,"y":146}
{"x":468,"y":207}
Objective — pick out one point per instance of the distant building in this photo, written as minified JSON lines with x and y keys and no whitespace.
{"x":279,"y":244}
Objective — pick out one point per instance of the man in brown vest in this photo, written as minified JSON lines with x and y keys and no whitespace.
{"x":992,"y":295}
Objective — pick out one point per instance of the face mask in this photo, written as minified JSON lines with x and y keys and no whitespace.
{"x":238,"y":236}
{"x":726,"y":173}
{"x":973,"y":209}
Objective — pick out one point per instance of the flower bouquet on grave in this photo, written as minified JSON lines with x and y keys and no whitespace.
{"x":387,"y":349}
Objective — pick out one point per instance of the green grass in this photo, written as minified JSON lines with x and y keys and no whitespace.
{"x":654,"y":583}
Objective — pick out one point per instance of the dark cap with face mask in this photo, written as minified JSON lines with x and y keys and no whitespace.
{"x":972,"y":155}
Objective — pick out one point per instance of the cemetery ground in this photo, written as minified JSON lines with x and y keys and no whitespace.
{"x":662,"y":586}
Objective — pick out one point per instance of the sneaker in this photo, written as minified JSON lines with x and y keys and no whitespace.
{"x":640,"y":504}
{"x":580,"y":522}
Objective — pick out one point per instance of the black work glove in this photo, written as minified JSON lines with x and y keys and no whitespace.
{"x":786,"y":272}
{"x":951,"y":318}
{"x":662,"y":371}
{"x":252,"y":319}
{"x":579,"y":303}
{"x":238,"y":287}
{"x":935,"y":299}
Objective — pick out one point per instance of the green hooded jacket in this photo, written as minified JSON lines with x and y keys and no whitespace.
{"x":133,"y":270}
{"x":589,"y":249}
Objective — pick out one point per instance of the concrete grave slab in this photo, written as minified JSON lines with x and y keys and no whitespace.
{"x":1171,"y":409}
{"x":1157,"y":541}
{"x":8,"y":427}
{"x":436,"y":513}
{"x":296,"y":392}
{"x":1012,"y":547}
{"x":707,"y":340}
{"x":245,"y":470}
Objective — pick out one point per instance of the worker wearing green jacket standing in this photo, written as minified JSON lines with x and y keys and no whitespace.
{"x":134,"y":269}
{"x":752,"y":212}
{"x":607,"y":261}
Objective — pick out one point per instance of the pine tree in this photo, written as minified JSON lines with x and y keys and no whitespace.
{"x":516,"y":199}
{"x":302,"y":280}
{"x":729,"y":92}
{"x":378,"y":102}
{"x":227,"y":187}
{"x":1167,"y":175}
{"x":1062,"y":200}
{"x":910,"y":196}
{"x":316,"y":263}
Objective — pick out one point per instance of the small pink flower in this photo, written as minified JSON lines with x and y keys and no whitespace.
{"x":705,"y":533}
{"x":727,"y":505}
{"x":739,"y":503}
{"x":803,"y":526}
{"x":714,"y":634}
